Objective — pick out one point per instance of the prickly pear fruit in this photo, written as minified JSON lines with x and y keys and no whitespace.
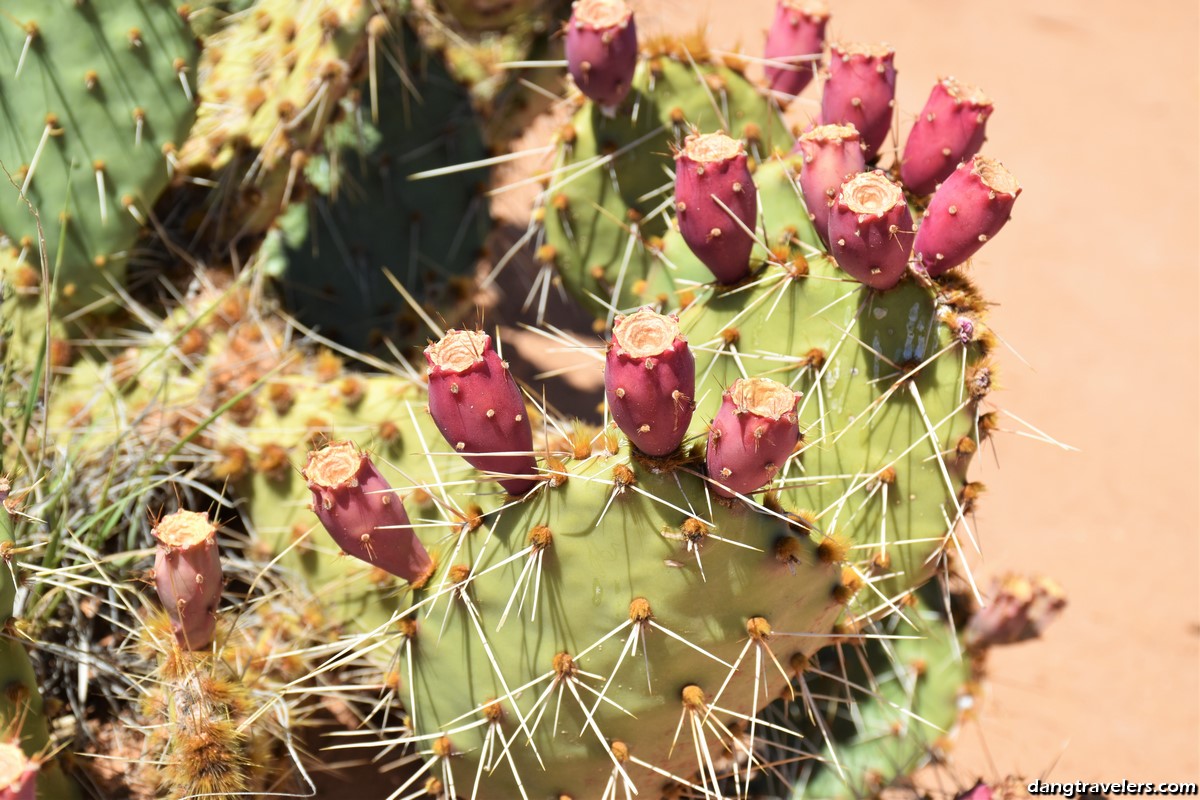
{"x":602,"y":49}
{"x":832,"y":155}
{"x":861,"y":90}
{"x":752,"y":436}
{"x":18,"y":773}
{"x":870,"y":230}
{"x":795,"y":43}
{"x":1020,"y":609}
{"x":357,"y":507}
{"x":716,"y":203}
{"x":477,"y":406}
{"x":950,"y":130}
{"x":970,"y":207}
{"x":650,"y":381}
{"x":187,"y":574}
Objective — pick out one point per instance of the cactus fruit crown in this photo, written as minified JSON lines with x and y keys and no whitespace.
{"x":995,"y":176}
{"x":832,"y":132}
{"x":184,"y":529}
{"x":865,"y":49}
{"x":645,"y":333}
{"x":965,"y":92}
{"x":811,"y":8}
{"x":334,"y":465}
{"x":602,"y":14}
{"x":763,"y":397}
{"x":871,"y":193}
{"x":708,"y":148}
{"x":457,"y":351}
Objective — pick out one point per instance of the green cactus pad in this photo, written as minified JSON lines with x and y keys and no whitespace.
{"x":264,"y":74}
{"x":881,"y":439}
{"x":615,"y":173}
{"x":617,"y":532}
{"x":388,"y":421}
{"x":366,"y":215}
{"x":907,"y":696}
{"x":93,"y":94}
{"x":508,"y":98}
{"x":855,"y":355}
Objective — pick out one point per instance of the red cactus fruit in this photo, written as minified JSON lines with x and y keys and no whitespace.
{"x":18,"y":773}
{"x":650,"y":381}
{"x":1020,"y":609}
{"x":832,"y":155}
{"x":795,"y":43}
{"x":477,"y":406}
{"x":970,"y":207}
{"x":187,"y":574}
{"x":753,"y":434}
{"x":713,"y":186}
{"x":870,"y":230}
{"x":861,"y":91}
{"x":949,"y":131}
{"x":366,"y":519}
{"x":602,"y":49}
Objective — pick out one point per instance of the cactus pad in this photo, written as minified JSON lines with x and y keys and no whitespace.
{"x":93,"y":95}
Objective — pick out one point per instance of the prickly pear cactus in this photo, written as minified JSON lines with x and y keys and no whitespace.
{"x":609,"y":605}
{"x":365,"y":213}
{"x":382,"y":413}
{"x":272,"y":76}
{"x":496,"y":49}
{"x":605,"y":209}
{"x":890,"y":369}
{"x":891,"y":386}
{"x":97,"y":98}
{"x":871,"y":710}
{"x":717,"y":591}
{"x":22,"y":718}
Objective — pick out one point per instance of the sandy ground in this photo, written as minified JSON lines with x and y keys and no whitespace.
{"x":1095,"y":282}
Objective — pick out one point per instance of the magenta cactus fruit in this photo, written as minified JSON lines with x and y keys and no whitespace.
{"x":18,"y":773}
{"x":716,"y":203}
{"x":752,"y":436}
{"x":359,"y":510}
{"x":1020,"y":609}
{"x":870,"y":230}
{"x":477,"y":406}
{"x":950,"y":130}
{"x":968,"y":209}
{"x":794,"y":44}
{"x":187,"y":575}
{"x":861,"y":91}
{"x":832,"y":155}
{"x":602,"y":49}
{"x":650,"y":381}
